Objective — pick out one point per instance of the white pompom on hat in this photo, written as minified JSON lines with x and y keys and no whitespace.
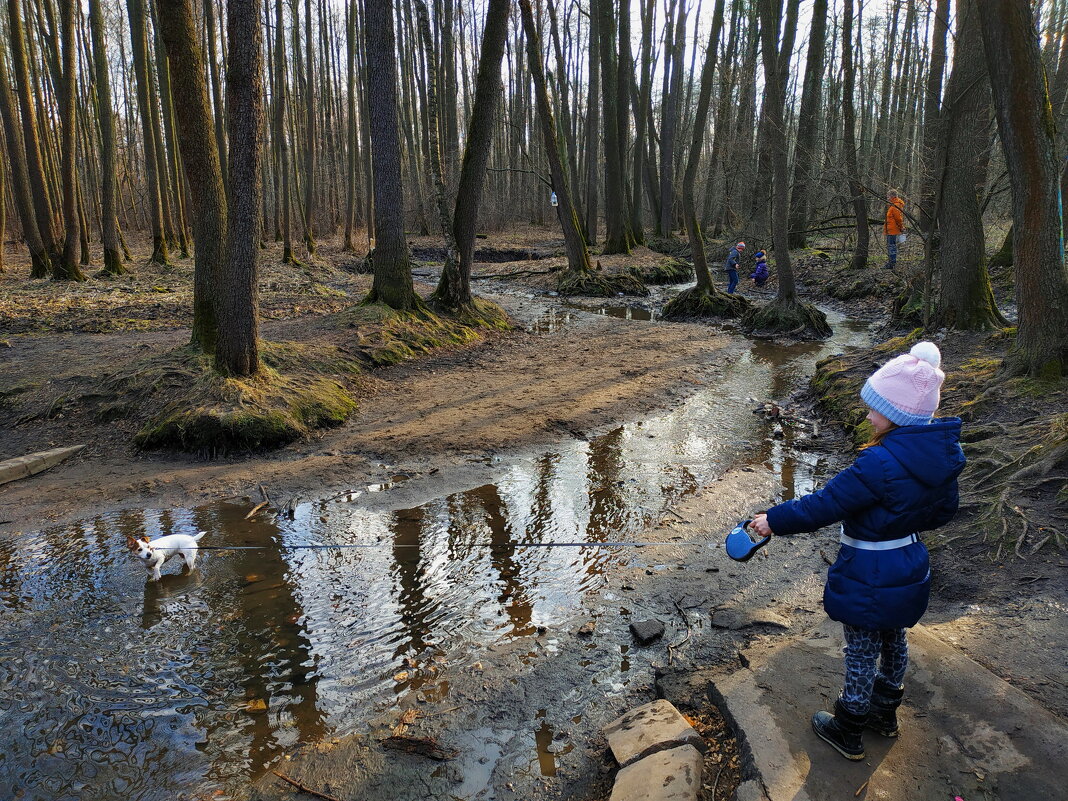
{"x":907,"y":389}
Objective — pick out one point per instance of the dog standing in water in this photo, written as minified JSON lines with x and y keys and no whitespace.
{"x":155,"y":552}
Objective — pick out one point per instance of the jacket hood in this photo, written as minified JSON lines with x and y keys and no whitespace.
{"x":930,"y":453}
{"x":899,"y":202}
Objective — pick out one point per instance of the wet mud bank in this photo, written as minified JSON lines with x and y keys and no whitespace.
{"x":439,"y":600}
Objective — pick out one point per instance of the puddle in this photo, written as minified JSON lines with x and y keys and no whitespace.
{"x":114,"y":687}
{"x":550,"y":322}
{"x":625,"y":312}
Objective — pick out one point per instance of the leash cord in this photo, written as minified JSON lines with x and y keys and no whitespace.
{"x":688,"y":543}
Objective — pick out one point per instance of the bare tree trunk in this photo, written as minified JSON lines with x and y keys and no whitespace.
{"x":578,"y":258}
{"x":200,"y":157}
{"x":966,"y":300}
{"x":237,"y":351}
{"x":454,"y":288}
{"x":281,"y":92}
{"x":932,"y":105}
{"x":66,"y":267}
{"x":860,"y":203}
{"x":1025,"y":123}
{"x":693,"y":227}
{"x":109,"y":224}
{"x":351,"y":138}
{"x":40,"y":259}
{"x":617,"y":235}
{"x":311,"y":136}
{"x":593,"y":132}
{"x":392,"y":274}
{"x":807,"y":125}
{"x":139,"y":42}
{"x":39,"y":194}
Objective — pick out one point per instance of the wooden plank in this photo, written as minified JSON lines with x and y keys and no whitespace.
{"x":34,"y":463}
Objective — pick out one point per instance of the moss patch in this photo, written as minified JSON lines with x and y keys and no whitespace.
{"x":790,"y":319}
{"x":389,"y":336}
{"x":673,"y":271}
{"x":694,"y":303}
{"x":190,"y":407}
{"x":599,"y":284}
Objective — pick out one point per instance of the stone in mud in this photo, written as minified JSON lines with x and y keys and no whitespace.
{"x":649,"y":729}
{"x":587,"y":629}
{"x":673,"y":775}
{"x":735,"y":619}
{"x":647,"y":631}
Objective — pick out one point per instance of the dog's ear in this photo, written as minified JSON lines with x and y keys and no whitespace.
{"x":144,"y":539}
{"x":131,"y":543}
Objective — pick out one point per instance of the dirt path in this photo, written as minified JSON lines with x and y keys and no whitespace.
{"x":514,"y":390}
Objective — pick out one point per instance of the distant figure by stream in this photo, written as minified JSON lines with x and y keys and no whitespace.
{"x":894,"y":227}
{"x":760,"y":271}
{"x":731,"y":267}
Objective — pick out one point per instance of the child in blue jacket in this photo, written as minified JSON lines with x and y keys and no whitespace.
{"x":760,"y":270}
{"x":904,"y":481}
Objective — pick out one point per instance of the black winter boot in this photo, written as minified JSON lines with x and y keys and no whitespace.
{"x":885,"y":699}
{"x":842,"y":730}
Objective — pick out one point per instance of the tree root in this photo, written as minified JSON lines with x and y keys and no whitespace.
{"x":599,"y":284}
{"x":695,"y":302}
{"x":787,"y":318}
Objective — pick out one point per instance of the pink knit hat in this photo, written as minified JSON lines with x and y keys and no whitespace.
{"x":906,"y":389}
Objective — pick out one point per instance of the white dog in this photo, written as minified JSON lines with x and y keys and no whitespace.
{"x":154,"y":553}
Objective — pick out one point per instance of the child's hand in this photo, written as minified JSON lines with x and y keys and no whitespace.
{"x":760,"y":525}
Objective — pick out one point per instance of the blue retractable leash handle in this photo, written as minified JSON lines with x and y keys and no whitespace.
{"x":739,"y":546}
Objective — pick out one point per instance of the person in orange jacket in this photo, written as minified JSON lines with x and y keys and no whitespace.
{"x":894,"y":226}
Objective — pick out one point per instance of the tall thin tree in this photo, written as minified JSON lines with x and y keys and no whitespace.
{"x":109,"y":222}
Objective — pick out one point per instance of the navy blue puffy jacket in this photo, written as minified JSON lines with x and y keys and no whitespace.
{"x":906,"y":484}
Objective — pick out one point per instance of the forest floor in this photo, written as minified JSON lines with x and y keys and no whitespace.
{"x":453,"y":410}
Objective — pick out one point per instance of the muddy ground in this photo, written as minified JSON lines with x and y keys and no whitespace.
{"x":440,"y":421}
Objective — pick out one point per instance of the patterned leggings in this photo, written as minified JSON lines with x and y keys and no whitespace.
{"x":863,"y":649}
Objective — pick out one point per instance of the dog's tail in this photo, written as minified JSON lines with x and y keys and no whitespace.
{"x":198,"y":535}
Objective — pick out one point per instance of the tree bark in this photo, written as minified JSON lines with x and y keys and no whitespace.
{"x":454,"y":288}
{"x":109,"y":223}
{"x":856,"y":193}
{"x":39,"y":194}
{"x":966,"y":300}
{"x":237,"y":351}
{"x":1025,"y":123}
{"x":139,"y":42}
{"x":18,"y":178}
{"x":617,"y":235}
{"x":392,"y":283}
{"x":807,"y":125}
{"x":200,"y":157}
{"x":689,"y":207}
{"x":310,"y":136}
{"x":66,"y":267}
{"x":932,"y":104}
{"x":578,"y":258}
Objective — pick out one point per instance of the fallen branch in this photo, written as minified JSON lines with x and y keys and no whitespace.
{"x":255,"y":509}
{"x":423,"y":746}
{"x":304,"y":788}
{"x":515,"y":274}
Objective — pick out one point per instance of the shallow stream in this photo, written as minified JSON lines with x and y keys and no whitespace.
{"x":114,"y":687}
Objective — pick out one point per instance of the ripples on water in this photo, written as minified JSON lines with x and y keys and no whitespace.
{"x":111,"y":686}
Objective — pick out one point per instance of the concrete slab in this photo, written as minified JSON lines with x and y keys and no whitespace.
{"x":673,"y":775}
{"x":964,"y":731}
{"x":647,"y":729}
{"x":34,"y":463}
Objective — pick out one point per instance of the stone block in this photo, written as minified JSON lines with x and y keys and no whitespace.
{"x":647,"y":631}
{"x":673,"y":775}
{"x":647,"y":729}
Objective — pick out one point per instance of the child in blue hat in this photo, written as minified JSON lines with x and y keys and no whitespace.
{"x":760,"y":271}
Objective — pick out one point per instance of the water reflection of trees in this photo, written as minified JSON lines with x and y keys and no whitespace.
{"x":259,"y":633}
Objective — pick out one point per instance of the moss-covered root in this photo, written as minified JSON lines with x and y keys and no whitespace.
{"x":477,"y":314}
{"x":787,"y":318}
{"x":595,"y":283}
{"x":696,"y":302}
{"x":673,"y":271}
{"x":193,"y":408}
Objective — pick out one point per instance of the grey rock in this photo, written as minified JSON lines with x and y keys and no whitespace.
{"x":647,"y":631}
{"x":734,"y":619}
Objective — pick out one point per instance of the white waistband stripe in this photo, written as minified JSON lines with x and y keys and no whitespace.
{"x":886,"y":545}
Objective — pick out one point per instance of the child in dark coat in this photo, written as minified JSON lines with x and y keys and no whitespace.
{"x":760,"y":271}
{"x":904,"y":481}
